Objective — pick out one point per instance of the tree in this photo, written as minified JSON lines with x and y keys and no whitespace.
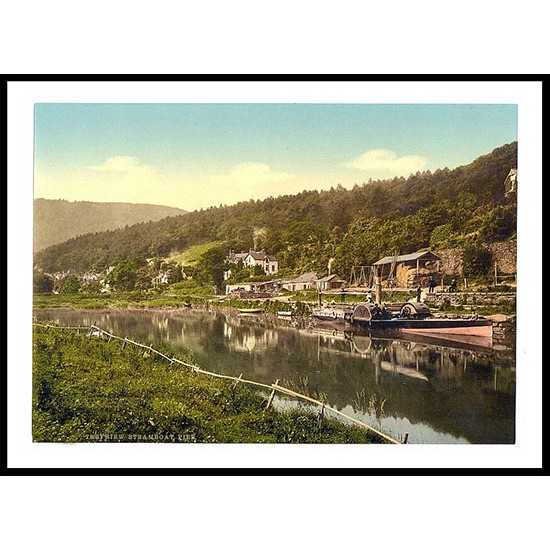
{"x":71,"y":285}
{"x":173,"y":271}
{"x":476,"y":260}
{"x":499,"y":224}
{"x":211,"y":266}
{"x":144,"y":276}
{"x":443,"y":236}
{"x":123,"y":276}
{"x":42,"y":282}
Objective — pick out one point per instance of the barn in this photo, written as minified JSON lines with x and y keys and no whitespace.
{"x":409,"y":269}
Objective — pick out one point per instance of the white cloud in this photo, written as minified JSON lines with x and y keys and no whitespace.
{"x":126,"y":179}
{"x":251,"y":173}
{"x":122,"y":165}
{"x":383,"y":163}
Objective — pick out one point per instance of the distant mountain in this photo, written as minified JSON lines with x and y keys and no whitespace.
{"x":56,"y":221}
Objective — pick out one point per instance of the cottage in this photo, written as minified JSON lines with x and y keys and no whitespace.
{"x":241,"y":287}
{"x":235,"y":258}
{"x":330,"y":282}
{"x":303,"y":282}
{"x":254,"y":258}
{"x":268,"y":263}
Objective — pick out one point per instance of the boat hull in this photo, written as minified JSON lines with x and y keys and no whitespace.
{"x":333,"y":315}
{"x":439,"y":327}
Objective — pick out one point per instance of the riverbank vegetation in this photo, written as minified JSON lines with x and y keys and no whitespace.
{"x":300,"y":303}
{"x":87,"y":389}
{"x":114,"y":300}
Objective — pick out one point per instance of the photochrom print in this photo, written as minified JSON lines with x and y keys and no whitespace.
{"x":275,"y":273}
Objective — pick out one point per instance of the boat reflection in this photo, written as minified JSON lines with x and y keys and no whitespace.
{"x":407,"y":355}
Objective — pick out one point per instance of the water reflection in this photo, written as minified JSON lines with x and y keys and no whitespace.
{"x":438,"y":392}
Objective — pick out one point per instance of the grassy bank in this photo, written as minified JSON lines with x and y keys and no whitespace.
{"x":86,"y":389}
{"x":119,"y":299}
{"x":299,"y":305}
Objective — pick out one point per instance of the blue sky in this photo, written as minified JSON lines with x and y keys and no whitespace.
{"x":198,"y":155}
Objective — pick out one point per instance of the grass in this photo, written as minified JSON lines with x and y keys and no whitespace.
{"x":119,"y":299}
{"x":86,"y":389}
{"x":191,"y":255}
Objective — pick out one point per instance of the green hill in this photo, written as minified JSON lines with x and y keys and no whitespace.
{"x":344,"y":226}
{"x":191,"y":255}
{"x":56,"y":221}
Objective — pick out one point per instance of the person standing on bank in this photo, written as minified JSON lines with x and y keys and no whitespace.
{"x":432,"y":284}
{"x":419,"y":294}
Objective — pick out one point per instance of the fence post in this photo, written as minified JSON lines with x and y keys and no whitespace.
{"x":270,"y":400}
{"x":237,"y":381}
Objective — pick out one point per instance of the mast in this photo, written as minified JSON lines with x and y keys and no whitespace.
{"x":377,"y":285}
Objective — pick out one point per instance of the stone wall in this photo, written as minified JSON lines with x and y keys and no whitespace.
{"x":504,"y":254}
{"x":504,"y":326}
{"x":470,"y":298}
{"x":451,"y":261}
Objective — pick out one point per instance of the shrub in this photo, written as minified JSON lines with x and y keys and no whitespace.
{"x":476,"y":259}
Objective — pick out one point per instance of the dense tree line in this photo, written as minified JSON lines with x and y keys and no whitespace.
{"x":307,"y":230}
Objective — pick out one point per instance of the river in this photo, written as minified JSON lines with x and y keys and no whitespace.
{"x":436,"y":392}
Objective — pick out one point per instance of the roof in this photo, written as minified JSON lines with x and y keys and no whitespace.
{"x":408,"y":257}
{"x":261,"y":256}
{"x":305,"y":278}
{"x":330,"y":278}
{"x":238,"y":255}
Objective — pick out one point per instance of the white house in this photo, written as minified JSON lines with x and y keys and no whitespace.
{"x":254,"y":258}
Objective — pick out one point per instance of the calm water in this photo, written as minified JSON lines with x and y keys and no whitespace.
{"x":448,"y":393}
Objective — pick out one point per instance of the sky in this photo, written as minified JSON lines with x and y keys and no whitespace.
{"x":193,"y":156}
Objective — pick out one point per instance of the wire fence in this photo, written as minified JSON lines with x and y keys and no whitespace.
{"x":95,"y":331}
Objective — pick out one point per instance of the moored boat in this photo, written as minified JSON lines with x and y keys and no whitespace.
{"x":411,"y":317}
{"x":285,"y":313}
{"x":334,"y":314}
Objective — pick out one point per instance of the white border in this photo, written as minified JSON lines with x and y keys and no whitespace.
{"x":527,"y":451}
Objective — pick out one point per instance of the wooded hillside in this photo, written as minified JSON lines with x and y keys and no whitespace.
{"x":445,"y":208}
